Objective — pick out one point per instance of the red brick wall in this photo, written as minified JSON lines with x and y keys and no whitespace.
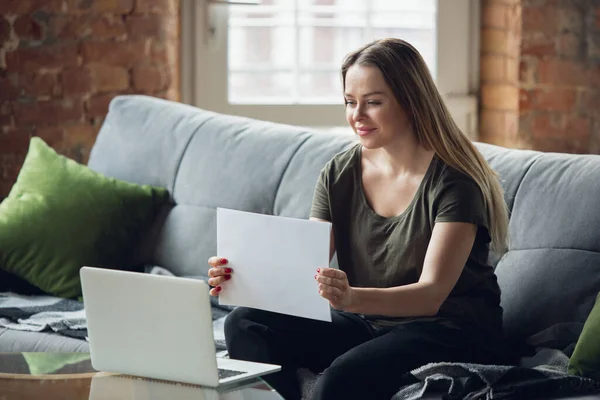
{"x":560,"y":75}
{"x":499,"y":72}
{"x":62,"y":61}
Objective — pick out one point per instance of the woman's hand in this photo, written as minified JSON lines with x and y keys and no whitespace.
{"x":334,"y":286}
{"x":218,"y":274}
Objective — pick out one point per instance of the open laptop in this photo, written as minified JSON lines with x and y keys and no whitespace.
{"x":156,"y":327}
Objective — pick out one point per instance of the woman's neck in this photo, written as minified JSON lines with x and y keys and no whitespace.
{"x":398,"y":159}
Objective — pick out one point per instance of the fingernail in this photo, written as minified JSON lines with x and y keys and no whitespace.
{"x":218,"y":288}
{"x":318,"y":269}
{"x":228,"y":270}
{"x":315,"y":276}
{"x":227,"y":277}
{"x":224,"y":261}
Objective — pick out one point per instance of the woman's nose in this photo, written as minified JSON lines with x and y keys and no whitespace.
{"x":358,"y":113}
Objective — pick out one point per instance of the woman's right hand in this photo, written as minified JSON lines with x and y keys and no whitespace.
{"x":218,"y":274}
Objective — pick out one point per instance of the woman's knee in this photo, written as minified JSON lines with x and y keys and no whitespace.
{"x":238,"y":336}
{"x":243,"y":321}
{"x":250,"y":336}
{"x":342,"y":377}
{"x":239,"y":320}
{"x":233,"y":319}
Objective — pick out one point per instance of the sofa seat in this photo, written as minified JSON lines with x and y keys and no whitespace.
{"x":13,"y":341}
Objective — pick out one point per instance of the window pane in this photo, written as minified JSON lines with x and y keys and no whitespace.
{"x":251,"y":88}
{"x":404,"y":5}
{"x":318,"y":17}
{"x":342,"y":4}
{"x":320,"y":86}
{"x":264,"y":7}
{"x":326,"y":47}
{"x":305,"y":41}
{"x":261,"y":47}
{"x":408,"y":19}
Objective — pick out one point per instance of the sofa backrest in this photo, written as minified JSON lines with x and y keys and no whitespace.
{"x":208,"y":160}
{"x":549,"y":277}
{"x":551,"y":274}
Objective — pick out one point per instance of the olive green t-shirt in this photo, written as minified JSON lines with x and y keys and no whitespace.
{"x":380,"y":252}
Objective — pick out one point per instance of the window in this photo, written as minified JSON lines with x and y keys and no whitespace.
{"x":280,"y":60}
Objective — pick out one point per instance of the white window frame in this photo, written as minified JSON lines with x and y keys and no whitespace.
{"x":204,"y":67}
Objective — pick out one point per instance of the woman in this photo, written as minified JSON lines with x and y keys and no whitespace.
{"x":414,"y":209}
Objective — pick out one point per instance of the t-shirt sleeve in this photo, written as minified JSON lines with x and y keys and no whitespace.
{"x":321,"y":205}
{"x":461,"y":200}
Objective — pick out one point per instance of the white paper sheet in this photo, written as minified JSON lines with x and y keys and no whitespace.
{"x":274,"y":261}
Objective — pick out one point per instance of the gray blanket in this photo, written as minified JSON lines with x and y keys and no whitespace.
{"x":542,"y":376}
{"x":42,"y":313}
{"x":548,"y":379}
{"x":67,"y":317}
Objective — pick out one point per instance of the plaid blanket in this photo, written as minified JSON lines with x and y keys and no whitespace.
{"x":67,"y":317}
{"x":42,"y":313}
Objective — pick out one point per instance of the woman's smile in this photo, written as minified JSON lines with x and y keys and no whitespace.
{"x":364,"y":131}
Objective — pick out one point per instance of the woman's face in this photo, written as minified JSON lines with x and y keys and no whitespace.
{"x":372,"y":109}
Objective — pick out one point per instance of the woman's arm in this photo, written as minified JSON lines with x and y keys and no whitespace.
{"x":447,"y":253}
{"x":331,"y":242}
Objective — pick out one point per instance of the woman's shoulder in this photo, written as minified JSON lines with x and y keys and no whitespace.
{"x":446,"y":175}
{"x":344,"y":161}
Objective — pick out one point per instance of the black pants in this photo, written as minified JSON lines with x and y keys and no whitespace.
{"x":357,"y":362}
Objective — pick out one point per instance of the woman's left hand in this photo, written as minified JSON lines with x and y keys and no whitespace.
{"x":334,"y":286}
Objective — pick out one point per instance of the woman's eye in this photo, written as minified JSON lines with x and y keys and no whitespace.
{"x":368,"y":103}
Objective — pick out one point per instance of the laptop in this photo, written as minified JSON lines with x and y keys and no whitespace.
{"x":156,"y":326}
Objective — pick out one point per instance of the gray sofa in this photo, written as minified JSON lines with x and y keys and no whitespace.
{"x":549,"y":277}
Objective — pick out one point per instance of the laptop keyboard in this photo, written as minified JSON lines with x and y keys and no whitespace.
{"x":228,"y":373}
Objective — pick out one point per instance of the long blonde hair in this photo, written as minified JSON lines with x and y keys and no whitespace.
{"x":406,"y":73}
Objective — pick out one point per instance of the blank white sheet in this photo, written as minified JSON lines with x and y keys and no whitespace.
{"x":274,"y":261}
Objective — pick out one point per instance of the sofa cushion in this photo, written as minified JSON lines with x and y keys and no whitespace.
{"x":60,"y":216}
{"x":242,"y":164}
{"x":585,"y":360}
{"x":208,"y":160}
{"x":13,"y":341}
{"x":143,"y":139}
{"x":547,"y":294}
{"x":550,"y":275}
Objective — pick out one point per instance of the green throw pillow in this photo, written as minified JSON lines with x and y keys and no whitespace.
{"x":585,"y":360}
{"x":60,"y":215}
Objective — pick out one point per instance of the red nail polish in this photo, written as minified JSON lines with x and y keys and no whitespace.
{"x":315,"y":276}
{"x":228,"y":270}
{"x":318,"y":269}
{"x":218,"y":288}
{"x":227,"y":277}
{"x":224,"y":261}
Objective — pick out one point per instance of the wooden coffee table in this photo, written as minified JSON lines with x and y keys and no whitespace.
{"x":53,"y":376}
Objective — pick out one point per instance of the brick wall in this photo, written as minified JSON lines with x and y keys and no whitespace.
{"x":499,"y":72}
{"x":62,"y":61}
{"x":540,"y":74}
{"x":560,"y":75}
